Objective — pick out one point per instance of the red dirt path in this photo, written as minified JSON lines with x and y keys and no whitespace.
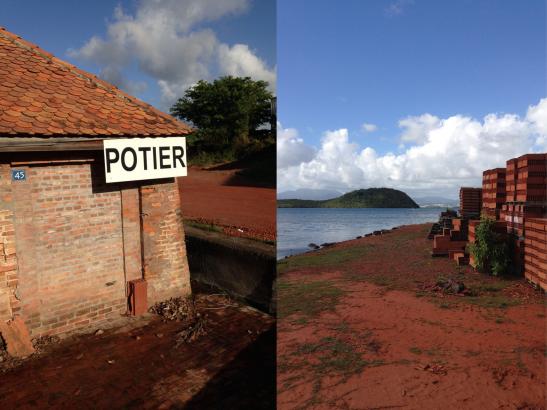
{"x":435,"y":351}
{"x":241,"y":210}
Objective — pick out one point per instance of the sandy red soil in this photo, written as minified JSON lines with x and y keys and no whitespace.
{"x":222,"y":199}
{"x":417,"y":350}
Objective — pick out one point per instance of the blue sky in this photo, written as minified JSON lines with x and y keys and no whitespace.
{"x":61,"y":25}
{"x":348,"y":62}
{"x":342,"y":64}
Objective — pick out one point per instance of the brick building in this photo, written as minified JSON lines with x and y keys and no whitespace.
{"x":69,"y":242}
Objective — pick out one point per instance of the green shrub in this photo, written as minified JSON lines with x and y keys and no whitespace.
{"x":490,"y":250}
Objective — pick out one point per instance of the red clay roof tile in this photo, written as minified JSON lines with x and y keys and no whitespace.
{"x":43,"y":95}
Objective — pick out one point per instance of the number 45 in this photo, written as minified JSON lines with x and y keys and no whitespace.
{"x":19,"y":175}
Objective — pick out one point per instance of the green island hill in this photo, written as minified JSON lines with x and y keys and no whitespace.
{"x":361,"y":198}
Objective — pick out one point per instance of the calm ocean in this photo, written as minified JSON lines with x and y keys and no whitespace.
{"x":297,"y":227}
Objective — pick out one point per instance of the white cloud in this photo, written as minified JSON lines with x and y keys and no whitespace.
{"x":291,"y":150}
{"x":368,"y":127}
{"x":538,"y":115}
{"x":168,"y":41}
{"x":417,"y":128}
{"x":397,"y":7}
{"x":446,"y":154}
{"x":240,"y":61}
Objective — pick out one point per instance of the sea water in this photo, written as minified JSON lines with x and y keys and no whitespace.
{"x":298,"y":227}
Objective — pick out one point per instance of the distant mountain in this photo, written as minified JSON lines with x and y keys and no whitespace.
{"x":314,"y":194}
{"x":436,"y":201}
{"x":361,"y":198}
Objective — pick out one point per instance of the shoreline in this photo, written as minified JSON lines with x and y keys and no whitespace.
{"x":301,"y":227}
{"x":310,"y":249}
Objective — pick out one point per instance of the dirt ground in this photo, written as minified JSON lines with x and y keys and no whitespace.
{"x":224,"y":199}
{"x":232,"y":366}
{"x":362,"y":325}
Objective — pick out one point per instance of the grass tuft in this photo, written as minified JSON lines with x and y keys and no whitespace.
{"x":324,"y":258}
{"x":307,"y":298}
{"x":492,"y":301}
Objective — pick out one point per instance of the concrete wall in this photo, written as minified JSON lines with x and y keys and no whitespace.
{"x":243,"y":268}
{"x":69,"y":243}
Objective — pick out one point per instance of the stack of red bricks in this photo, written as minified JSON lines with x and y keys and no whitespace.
{"x":531,"y":179}
{"x":493,"y":192}
{"x":472,"y":229}
{"x":458,"y":235}
{"x":516,"y":214}
{"x":460,"y":229}
{"x":526,"y":182}
{"x":453,"y":239}
{"x":470,"y":202}
{"x":513,"y":196}
{"x":450,"y":240}
{"x":511,"y":180}
{"x":443,"y":244}
{"x":535,"y":253}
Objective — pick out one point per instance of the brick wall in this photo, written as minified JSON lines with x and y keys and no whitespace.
{"x":165,"y":265}
{"x":69,"y":242}
{"x":69,"y":247}
{"x":131,"y":226}
{"x":8,"y":258}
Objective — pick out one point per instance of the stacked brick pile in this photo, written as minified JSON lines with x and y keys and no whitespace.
{"x":459,"y":230}
{"x":470,"y":202}
{"x":511,"y":180}
{"x":449,"y":239}
{"x":535,"y":253}
{"x":493,"y":192}
{"x":531,"y":179}
{"x":458,"y":236}
{"x":526,"y":182}
{"x":526,"y":190}
{"x":516,"y":198}
{"x":472,"y":229}
{"x":445,"y":221}
{"x":515,"y":215}
{"x":443,"y":244}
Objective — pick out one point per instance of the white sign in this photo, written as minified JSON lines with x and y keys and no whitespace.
{"x":135,"y":159}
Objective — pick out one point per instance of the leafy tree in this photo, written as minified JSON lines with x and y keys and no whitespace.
{"x":490,"y":250}
{"x":228,"y":112}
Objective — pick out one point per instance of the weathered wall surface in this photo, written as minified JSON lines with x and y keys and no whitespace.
{"x":8,"y":258}
{"x":69,"y":243}
{"x":243,"y":268}
{"x":165,"y":263}
{"x":69,"y":248}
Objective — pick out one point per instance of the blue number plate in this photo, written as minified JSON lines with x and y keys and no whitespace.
{"x":18,"y":175}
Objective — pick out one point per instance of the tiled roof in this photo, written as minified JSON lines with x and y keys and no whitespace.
{"x":41,"y":95}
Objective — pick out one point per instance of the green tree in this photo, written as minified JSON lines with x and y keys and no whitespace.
{"x":228,"y":112}
{"x":490,"y":250}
